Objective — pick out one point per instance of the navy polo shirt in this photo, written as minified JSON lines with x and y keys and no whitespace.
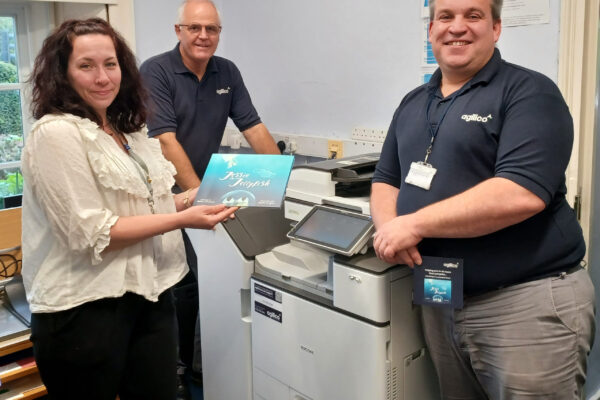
{"x":196,"y":111}
{"x":507,"y":122}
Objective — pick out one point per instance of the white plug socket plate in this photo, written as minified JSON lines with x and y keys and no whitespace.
{"x":369,"y":134}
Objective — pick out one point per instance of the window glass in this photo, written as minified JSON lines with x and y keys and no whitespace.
{"x":11,"y":182}
{"x":11,"y":113}
{"x":8,"y":51}
{"x":11,"y":126}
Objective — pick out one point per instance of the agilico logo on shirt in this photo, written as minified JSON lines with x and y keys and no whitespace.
{"x":476,"y":118}
{"x":223,"y":91}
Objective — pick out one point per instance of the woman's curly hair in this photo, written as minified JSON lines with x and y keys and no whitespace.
{"x":53,"y":94}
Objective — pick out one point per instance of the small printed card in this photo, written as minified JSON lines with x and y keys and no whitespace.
{"x":245,"y":180}
{"x":438,"y":281}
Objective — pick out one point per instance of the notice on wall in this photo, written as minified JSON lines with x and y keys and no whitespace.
{"x":525,"y":12}
{"x":428,"y":59}
{"x":427,"y":73}
{"x":425,"y":9}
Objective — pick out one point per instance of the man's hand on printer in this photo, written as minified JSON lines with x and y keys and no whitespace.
{"x":395,"y":242}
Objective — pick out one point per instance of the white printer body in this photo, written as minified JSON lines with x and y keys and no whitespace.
{"x":316,"y":316}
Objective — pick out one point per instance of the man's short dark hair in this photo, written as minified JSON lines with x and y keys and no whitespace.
{"x":496,"y":9}
{"x":53,"y":94}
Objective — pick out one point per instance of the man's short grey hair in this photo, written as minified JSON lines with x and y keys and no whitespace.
{"x":496,"y":9}
{"x":184,"y":2}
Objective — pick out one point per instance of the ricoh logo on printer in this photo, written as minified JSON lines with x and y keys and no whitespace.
{"x":476,"y":118}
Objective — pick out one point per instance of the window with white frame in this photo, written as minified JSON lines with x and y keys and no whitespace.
{"x":12,"y":115}
{"x":22,"y":26}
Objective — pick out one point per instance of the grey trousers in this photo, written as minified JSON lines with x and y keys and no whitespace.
{"x":527,"y":341}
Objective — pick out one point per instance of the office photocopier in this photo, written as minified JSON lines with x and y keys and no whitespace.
{"x":295,"y":305}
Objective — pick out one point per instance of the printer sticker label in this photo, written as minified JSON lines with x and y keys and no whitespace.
{"x":267,"y":292}
{"x":267,"y":311}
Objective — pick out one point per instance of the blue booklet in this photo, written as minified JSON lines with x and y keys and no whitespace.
{"x":245,"y":180}
{"x":438,"y":281}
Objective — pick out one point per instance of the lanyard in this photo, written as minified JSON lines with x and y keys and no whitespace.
{"x":144,"y":174}
{"x":433,"y":132}
{"x":140,"y":165}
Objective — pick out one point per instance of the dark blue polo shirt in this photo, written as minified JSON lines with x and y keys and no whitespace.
{"x":196,"y":111}
{"x":507,"y":122}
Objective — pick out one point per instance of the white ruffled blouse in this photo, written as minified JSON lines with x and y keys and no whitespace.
{"x":77,"y":183}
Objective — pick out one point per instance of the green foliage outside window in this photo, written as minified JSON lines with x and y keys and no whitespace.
{"x":11,"y":183}
{"x":11,"y":125}
{"x":8,"y":42}
{"x":8,"y":73}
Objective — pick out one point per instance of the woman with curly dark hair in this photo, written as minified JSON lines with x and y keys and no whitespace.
{"x":101,"y":228}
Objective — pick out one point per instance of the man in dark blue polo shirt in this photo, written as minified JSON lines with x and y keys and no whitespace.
{"x":193,"y":94}
{"x":473,"y":168}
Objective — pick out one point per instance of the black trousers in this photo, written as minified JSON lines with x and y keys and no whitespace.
{"x":186,"y":306}
{"x":125,"y":346}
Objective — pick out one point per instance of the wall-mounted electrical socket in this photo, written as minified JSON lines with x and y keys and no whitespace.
{"x":233,"y":138}
{"x":228,"y":133}
{"x":316,"y":146}
{"x":305,"y":145}
{"x":292,"y":146}
{"x":358,"y":147}
{"x":235,"y":141}
{"x":286,"y":140}
{"x":369,"y":134}
{"x":335,"y":149}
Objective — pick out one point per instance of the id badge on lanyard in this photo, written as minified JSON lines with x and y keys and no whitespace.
{"x":421,"y":173}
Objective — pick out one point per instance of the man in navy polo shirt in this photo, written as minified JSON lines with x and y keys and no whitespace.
{"x":193,"y":93}
{"x":473,"y":168}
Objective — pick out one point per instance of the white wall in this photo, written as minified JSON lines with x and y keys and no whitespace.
{"x":154,"y":32}
{"x":534,"y":46}
{"x":324,"y":67}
